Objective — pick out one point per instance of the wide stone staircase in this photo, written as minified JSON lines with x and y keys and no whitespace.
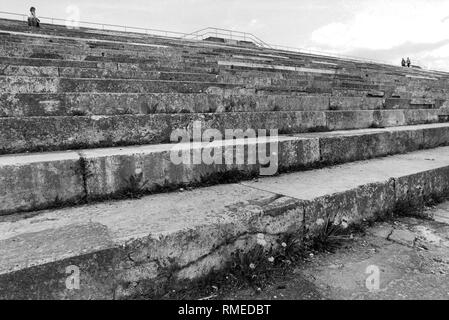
{"x":88,"y":181}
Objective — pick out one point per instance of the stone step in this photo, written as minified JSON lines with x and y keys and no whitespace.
{"x":389,"y":92}
{"x":112,"y":70}
{"x":419,"y":103}
{"x":126,"y":249}
{"x":32,"y":134}
{"x":77,"y":52}
{"x":19,"y":40}
{"x":253,"y":78}
{"x":36,"y":181}
{"x":13,"y":84}
{"x":110,"y":66}
{"x":217,"y":100}
{"x":102,"y":73}
{"x":20,"y":84}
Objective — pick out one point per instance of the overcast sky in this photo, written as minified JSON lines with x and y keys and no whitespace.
{"x":377,"y":29}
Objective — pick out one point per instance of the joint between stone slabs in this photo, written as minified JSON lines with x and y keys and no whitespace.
{"x":320,"y":148}
{"x":84,"y":170}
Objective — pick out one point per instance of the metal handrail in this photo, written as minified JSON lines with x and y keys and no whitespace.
{"x":233,"y":34}
{"x":200,"y":35}
{"x":205,"y":35}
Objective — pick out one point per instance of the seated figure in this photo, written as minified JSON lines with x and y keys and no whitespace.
{"x":33,"y":21}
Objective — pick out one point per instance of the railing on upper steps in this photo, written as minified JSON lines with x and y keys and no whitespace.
{"x":226,"y":34}
{"x":202,"y":35}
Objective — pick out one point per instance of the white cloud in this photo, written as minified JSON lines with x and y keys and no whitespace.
{"x":382,"y":25}
{"x":437,"y":58}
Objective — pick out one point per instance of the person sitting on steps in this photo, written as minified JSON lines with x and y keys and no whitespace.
{"x":409,"y":63}
{"x":33,"y":21}
{"x":403,"y":62}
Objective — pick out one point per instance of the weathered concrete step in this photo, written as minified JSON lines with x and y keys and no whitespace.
{"x":23,"y":84}
{"x":389,"y":92}
{"x":35,"y":62}
{"x":419,"y":103}
{"x":36,"y":181}
{"x":66,"y":51}
{"x":111,"y":70}
{"x":217,"y":100}
{"x":12,"y":84}
{"x":75,"y":44}
{"x":77,"y":132}
{"x":62,"y":53}
{"x":123,"y":67}
{"x":253,"y":78}
{"x":92,"y":73}
{"x":128,"y":249}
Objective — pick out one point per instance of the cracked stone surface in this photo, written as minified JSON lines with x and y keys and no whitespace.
{"x":404,"y":237}
{"x":412,"y":257}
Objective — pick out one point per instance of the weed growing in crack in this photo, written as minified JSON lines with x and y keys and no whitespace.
{"x":135,"y":186}
{"x":258,"y":266}
{"x":291,"y":249}
{"x":254,"y":267}
{"x":329,"y":235}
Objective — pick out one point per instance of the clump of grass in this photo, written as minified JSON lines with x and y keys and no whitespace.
{"x":329,"y":235}
{"x":252,"y":267}
{"x":258,"y":266}
{"x":292,"y":248}
{"x":135,"y":186}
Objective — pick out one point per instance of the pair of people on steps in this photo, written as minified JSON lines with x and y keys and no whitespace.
{"x":33,"y":21}
{"x":407,"y":63}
